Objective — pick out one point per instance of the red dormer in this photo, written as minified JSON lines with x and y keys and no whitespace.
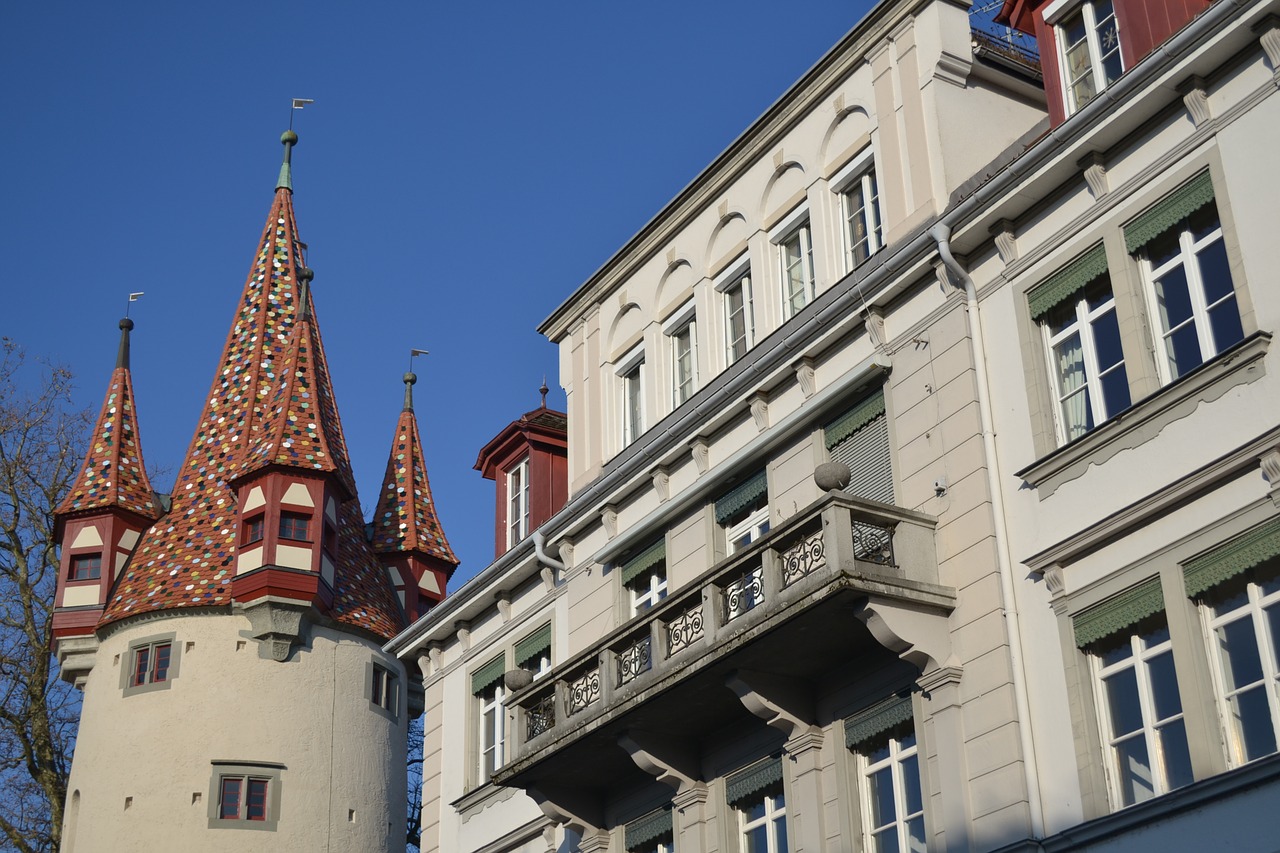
{"x":1085,"y":45}
{"x":110,"y":504}
{"x":529,"y":461}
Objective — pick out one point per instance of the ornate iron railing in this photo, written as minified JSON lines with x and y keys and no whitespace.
{"x":635,"y":659}
{"x":873,"y":543}
{"x":583,"y":691}
{"x":807,"y":555}
{"x":540,"y":716}
{"x":744,"y":594}
{"x":684,"y":630}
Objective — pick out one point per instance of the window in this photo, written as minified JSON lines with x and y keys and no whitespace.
{"x":859,"y":210}
{"x":533,"y":653}
{"x":294,"y":526}
{"x":644,"y":576}
{"x":244,"y":796}
{"x":252,"y":530}
{"x":762,"y":821}
{"x":1242,"y":621}
{"x":795,"y":255}
{"x":739,"y":317}
{"x":653,"y":833}
{"x":1140,"y":712}
{"x":893,"y":806}
{"x":632,"y":404}
{"x":151,"y":664}
{"x":743,"y":512}
{"x":859,"y":437}
{"x":683,"y":363}
{"x":648,"y":589}
{"x":86,"y":567}
{"x":1089,"y":46}
{"x":488,"y":688}
{"x":1082,"y":337}
{"x":1189,"y":285}
{"x":384,"y":689}
{"x":518,"y":502}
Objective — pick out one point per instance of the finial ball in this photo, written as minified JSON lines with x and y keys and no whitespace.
{"x":410,"y":378}
{"x":306,"y":274}
{"x":126,"y":324}
{"x":288,"y":138}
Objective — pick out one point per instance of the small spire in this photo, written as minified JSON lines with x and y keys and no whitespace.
{"x":122,"y":355}
{"x":305,"y":276}
{"x":543,"y":391}
{"x":409,"y":380}
{"x":288,"y":139}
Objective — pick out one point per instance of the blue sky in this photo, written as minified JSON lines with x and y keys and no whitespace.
{"x":465,"y":167}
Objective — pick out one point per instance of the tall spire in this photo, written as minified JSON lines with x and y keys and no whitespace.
{"x":271,"y":355}
{"x":113,"y":474}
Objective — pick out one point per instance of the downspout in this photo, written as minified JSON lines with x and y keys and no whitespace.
{"x":941,"y":233}
{"x":540,"y":549}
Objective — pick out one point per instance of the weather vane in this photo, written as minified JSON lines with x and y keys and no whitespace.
{"x":133,"y":297}
{"x":413,"y":353}
{"x":298,"y":103}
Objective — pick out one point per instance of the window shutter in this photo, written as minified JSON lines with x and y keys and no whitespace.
{"x":747,"y":783}
{"x":648,"y":828}
{"x":876,"y":720}
{"x":860,"y":439}
{"x":1119,"y":612}
{"x":644,"y":560}
{"x":1232,"y":558}
{"x":1169,"y":211}
{"x":1067,"y":282}
{"x":534,"y":645}
{"x":488,"y":674}
{"x":741,"y":496}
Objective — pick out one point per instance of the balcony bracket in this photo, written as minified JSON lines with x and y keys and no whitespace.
{"x":784,"y":703}
{"x":918,"y":635}
{"x":576,"y":809}
{"x":671,"y":760}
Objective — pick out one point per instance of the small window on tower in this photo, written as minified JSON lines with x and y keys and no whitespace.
{"x":152,"y":664}
{"x":244,"y":796}
{"x":384,"y":689}
{"x":86,"y":567}
{"x":295,"y":526}
{"x":252,"y":531}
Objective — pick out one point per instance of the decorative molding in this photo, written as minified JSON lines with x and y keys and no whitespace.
{"x":1057,"y":586}
{"x":940,"y":272}
{"x":1006,"y":240}
{"x":1270,"y":462}
{"x":875,"y":325}
{"x":806,"y":376}
{"x":1094,"y":167}
{"x":1268,"y":30}
{"x":701,"y":454}
{"x":503,"y":599}
{"x":938,"y":678}
{"x":953,"y":69}
{"x":722,"y":209}
{"x":435,"y":651}
{"x":778,"y":159}
{"x":462,"y":629}
{"x":609,"y":517}
{"x":662,"y":483}
{"x":838,"y":104}
{"x":760,"y":411}
{"x":548,"y":577}
{"x":566,"y":552}
{"x":1196,"y":99}
{"x":806,"y":741}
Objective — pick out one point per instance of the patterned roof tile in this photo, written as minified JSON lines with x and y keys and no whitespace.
{"x":405,"y":519}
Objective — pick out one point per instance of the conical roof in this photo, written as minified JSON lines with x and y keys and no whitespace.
{"x":113,"y":475}
{"x":405,"y":519}
{"x":250,"y":420}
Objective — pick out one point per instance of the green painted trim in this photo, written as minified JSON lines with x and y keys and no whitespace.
{"x":862,"y":413}
{"x":534,"y":645}
{"x":1232,"y":558}
{"x":753,"y":780}
{"x":644,"y":560}
{"x":1118,"y":612}
{"x":1169,"y":211}
{"x":1067,"y":282}
{"x":871,"y":722}
{"x":652,"y":826}
{"x":741,"y":496}
{"x":486,"y":675}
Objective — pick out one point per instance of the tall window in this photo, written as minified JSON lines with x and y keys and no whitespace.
{"x":1141,"y":713}
{"x":739,"y":318}
{"x":384,"y":689}
{"x":1243,"y":623}
{"x":795,"y":255}
{"x":748,"y":525}
{"x":1090,"y":49}
{"x":859,"y":211}
{"x":1190,"y":285}
{"x":151,"y":664}
{"x":648,"y":588}
{"x":632,"y":402}
{"x":1085,"y":358}
{"x":683,"y":363}
{"x":86,"y":567}
{"x":762,"y":821}
{"x":492,"y":729}
{"x":893,"y":807}
{"x":518,"y":502}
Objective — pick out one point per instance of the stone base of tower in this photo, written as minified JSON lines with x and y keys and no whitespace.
{"x":190,"y":739}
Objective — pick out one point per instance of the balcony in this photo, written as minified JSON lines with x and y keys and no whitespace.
{"x":841,"y":588}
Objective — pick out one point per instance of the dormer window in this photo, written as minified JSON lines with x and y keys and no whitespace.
{"x":253,"y":529}
{"x":295,"y":526}
{"x":518,"y":502}
{"x":1088,"y":49}
{"x":86,"y":567}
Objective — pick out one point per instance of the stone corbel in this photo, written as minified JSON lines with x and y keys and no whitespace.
{"x":1006,"y":240}
{"x":579,"y":810}
{"x":1057,"y":586}
{"x":918,"y":636}
{"x":760,"y":411}
{"x":806,"y":376}
{"x":783,"y":702}
{"x":503,"y":599}
{"x":1093,"y":166}
{"x":940,"y":273}
{"x":701,"y":454}
{"x":609,"y":517}
{"x":1270,"y":463}
{"x":1196,"y":99}
{"x":671,"y":760}
{"x":662,"y":483}
{"x":953,"y":69}
{"x":1268,"y":31}
{"x":435,"y":652}
{"x":278,"y":625}
{"x":463,"y":629}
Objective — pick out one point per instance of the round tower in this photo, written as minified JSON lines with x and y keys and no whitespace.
{"x":236,"y":695}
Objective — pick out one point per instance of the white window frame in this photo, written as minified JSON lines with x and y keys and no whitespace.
{"x":894,"y":762}
{"x":630,"y":371}
{"x":1056,"y":15}
{"x":518,"y":503}
{"x":493,"y":732}
{"x":737,"y":278}
{"x":795,"y":229}
{"x":1253,"y":609}
{"x":861,"y":172}
{"x":648,"y":590}
{"x":1085,"y":318}
{"x":774,"y":820}
{"x":682,"y":324}
{"x":1139,"y":660}
{"x":1188,"y":248}
{"x":751,"y":528}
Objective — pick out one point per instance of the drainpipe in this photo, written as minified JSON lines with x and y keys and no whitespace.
{"x":941,"y":233}
{"x":540,"y":549}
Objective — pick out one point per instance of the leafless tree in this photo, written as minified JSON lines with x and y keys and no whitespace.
{"x":40,"y":451}
{"x":413,"y":835}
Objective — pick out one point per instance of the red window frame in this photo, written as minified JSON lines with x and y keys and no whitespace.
{"x":151,"y":664}
{"x":255,"y":800}
{"x":243,"y":798}
{"x":229,"y":799}
{"x":254,"y":529}
{"x":295,"y":526}
{"x":86,"y":567}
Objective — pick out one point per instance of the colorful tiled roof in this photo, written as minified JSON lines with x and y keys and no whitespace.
{"x":187,"y":560}
{"x":113,"y":474}
{"x":405,"y":519}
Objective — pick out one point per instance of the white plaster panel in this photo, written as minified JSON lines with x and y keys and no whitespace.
{"x":249,"y":560}
{"x":88,"y":537}
{"x":298,"y":495}
{"x":428,"y":582}
{"x":293,"y":557}
{"x":81,"y":596}
{"x":256,"y":499}
{"x":128,"y":539}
